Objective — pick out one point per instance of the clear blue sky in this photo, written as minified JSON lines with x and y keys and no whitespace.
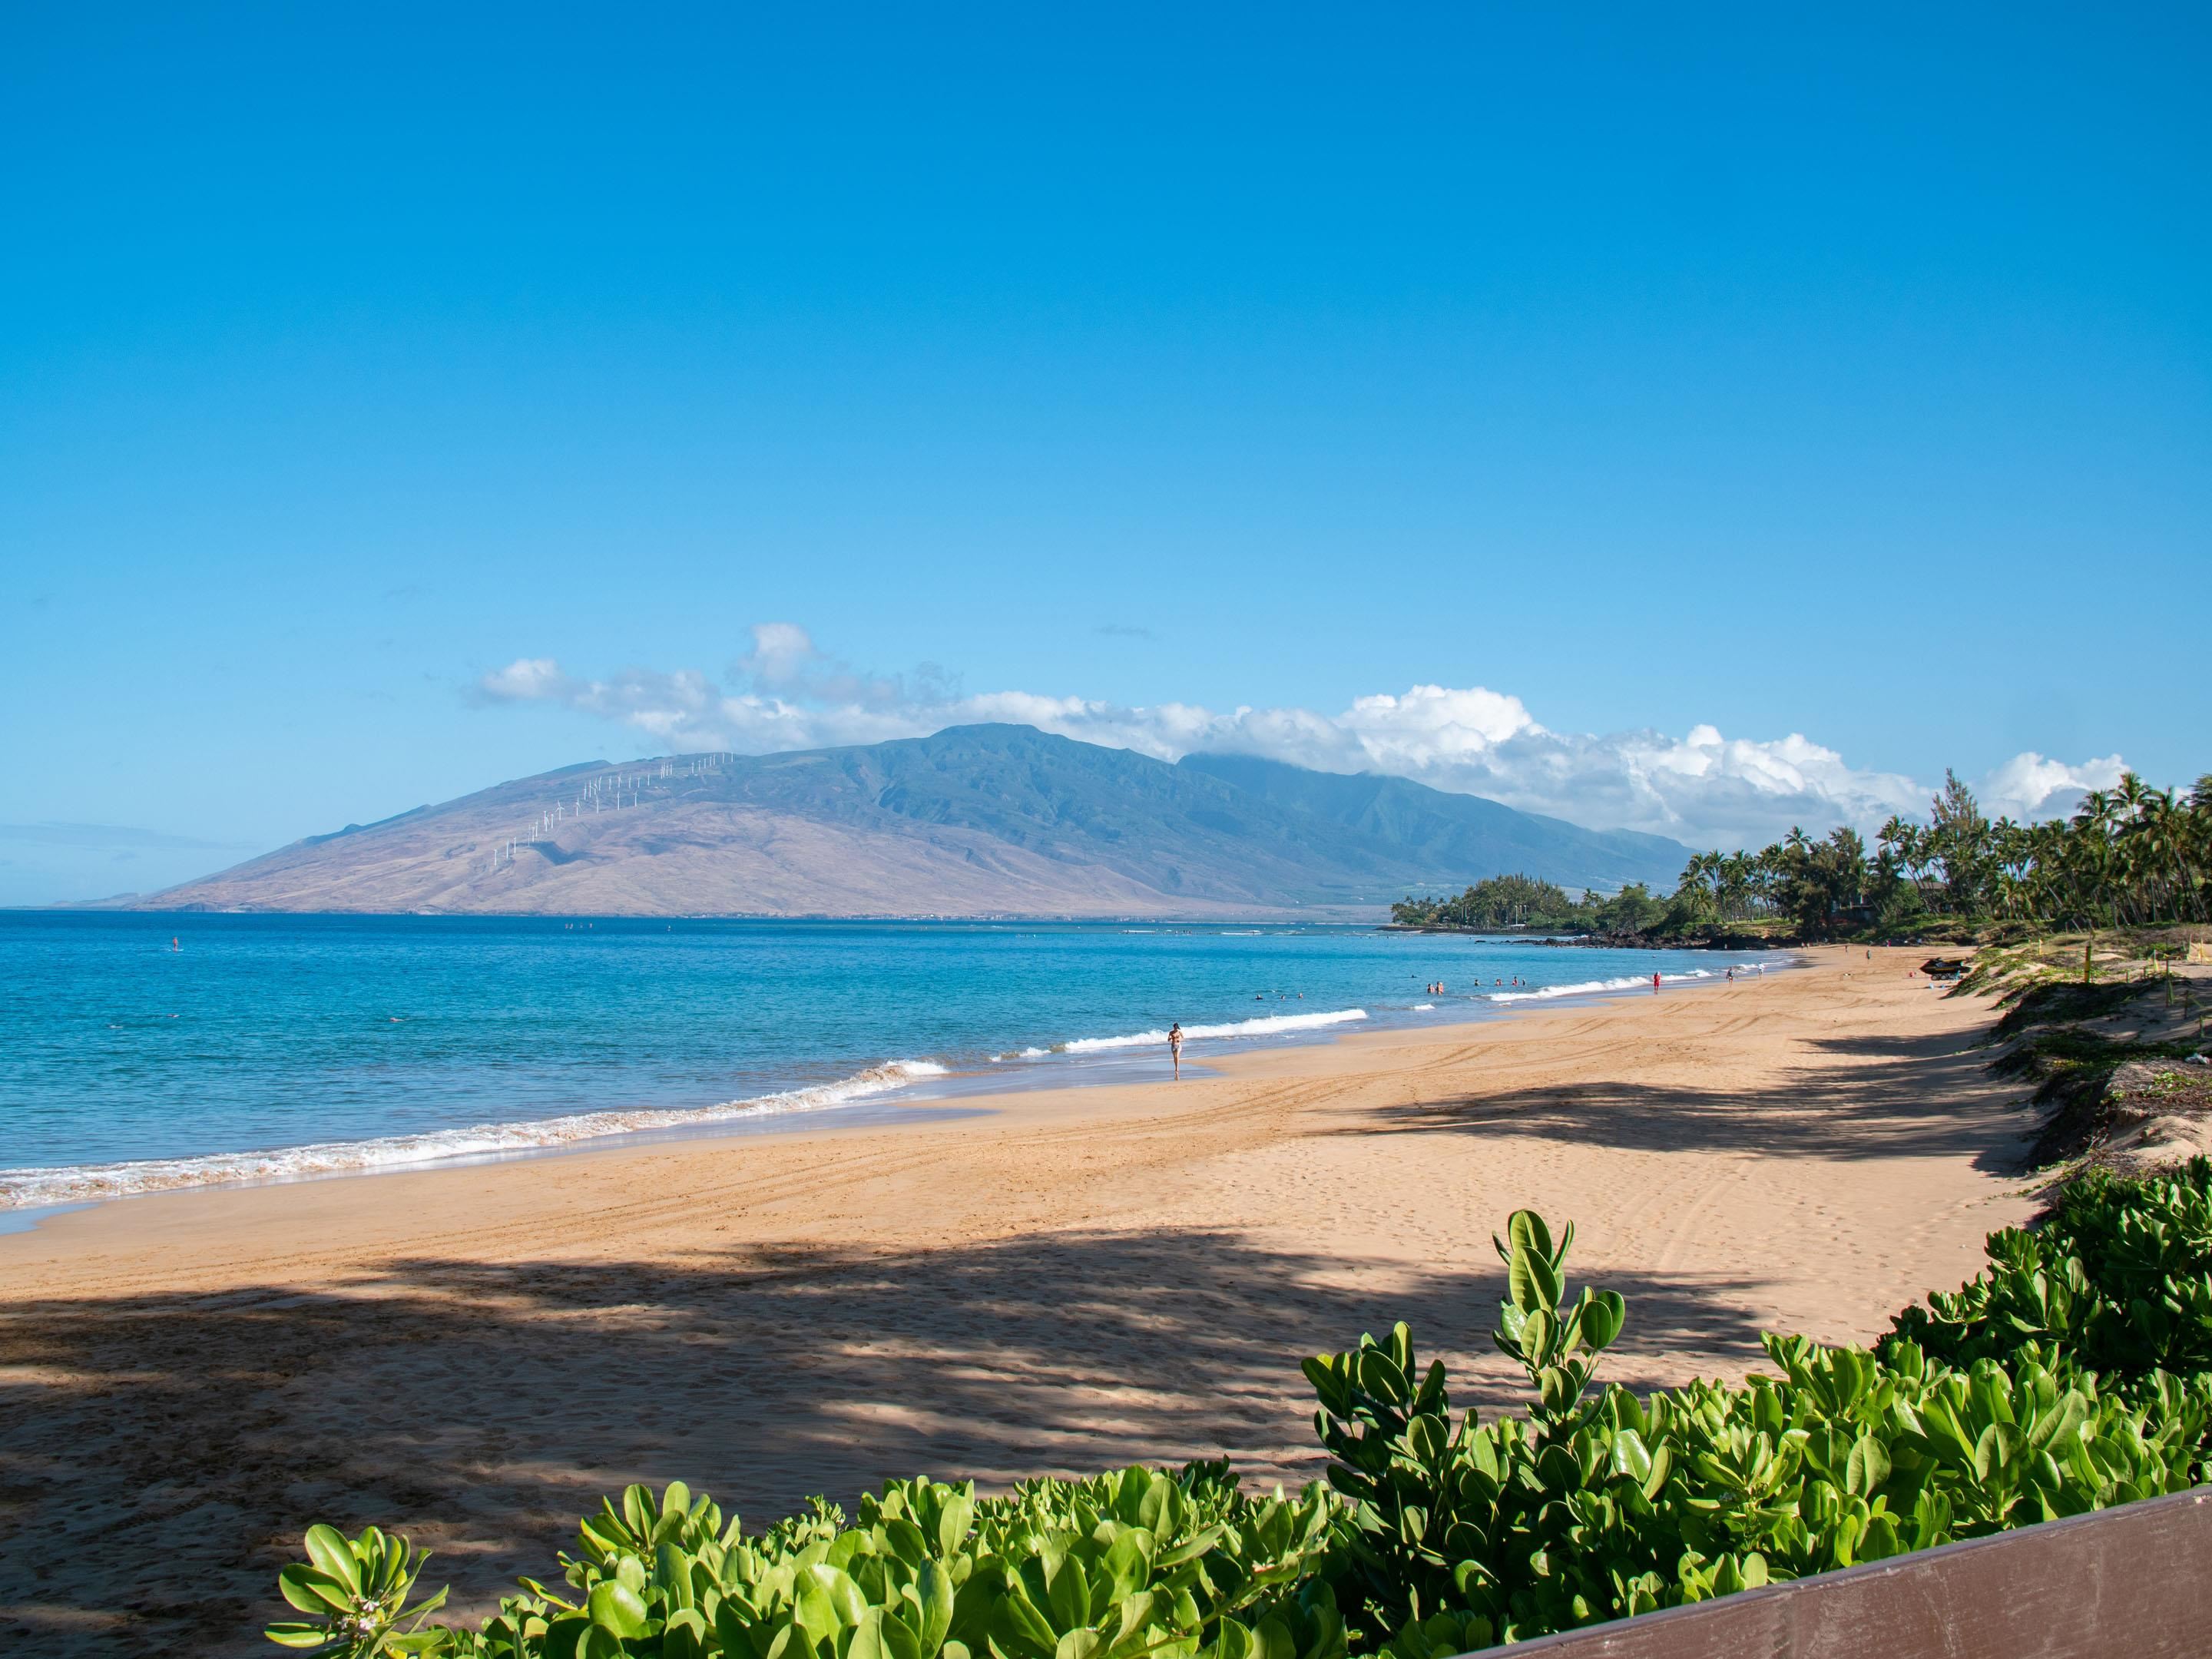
{"x":1656,"y":366}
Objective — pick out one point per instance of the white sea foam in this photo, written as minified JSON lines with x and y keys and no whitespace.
{"x":1424,"y":1008}
{"x":1585,"y":986}
{"x":22,"y":1187}
{"x":1267,"y":1026}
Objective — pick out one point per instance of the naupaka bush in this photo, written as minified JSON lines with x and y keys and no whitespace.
{"x":2072,"y":1376}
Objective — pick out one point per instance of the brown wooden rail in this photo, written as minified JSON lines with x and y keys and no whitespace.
{"x":2134,"y":1581}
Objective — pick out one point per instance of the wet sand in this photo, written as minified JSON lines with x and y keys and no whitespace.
{"x":1075,"y":1280}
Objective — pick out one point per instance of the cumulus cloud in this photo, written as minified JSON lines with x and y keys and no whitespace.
{"x":2032,"y":785}
{"x":1702,"y":787}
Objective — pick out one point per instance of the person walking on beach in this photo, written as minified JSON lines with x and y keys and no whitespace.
{"x":1175,"y":1048}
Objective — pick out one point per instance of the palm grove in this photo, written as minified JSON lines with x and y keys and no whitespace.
{"x":2129,"y":857}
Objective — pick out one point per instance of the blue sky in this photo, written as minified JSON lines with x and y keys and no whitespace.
{"x":1845,"y":378}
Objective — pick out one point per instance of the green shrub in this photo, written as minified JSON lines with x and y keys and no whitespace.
{"x":1183,"y":1566}
{"x":1595,"y":1507}
{"x":2076,"y":1373}
{"x":2117,"y":1280}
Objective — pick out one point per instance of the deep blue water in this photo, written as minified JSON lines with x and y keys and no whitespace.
{"x":423,"y":1036}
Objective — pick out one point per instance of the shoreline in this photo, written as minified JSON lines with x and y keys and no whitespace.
{"x":1078,"y":1278}
{"x":891,"y":1091}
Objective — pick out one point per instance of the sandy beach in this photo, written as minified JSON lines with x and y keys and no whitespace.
{"x":1071,"y":1280}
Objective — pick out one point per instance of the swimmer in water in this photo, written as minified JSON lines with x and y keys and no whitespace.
{"x":1175,"y":1048}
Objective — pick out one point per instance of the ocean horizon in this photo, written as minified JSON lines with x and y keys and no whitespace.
{"x":151,"y":1051}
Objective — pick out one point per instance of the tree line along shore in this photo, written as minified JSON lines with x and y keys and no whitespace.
{"x":2133,"y":860}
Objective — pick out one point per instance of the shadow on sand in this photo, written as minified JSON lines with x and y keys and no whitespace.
{"x":1902,"y":1098}
{"x":162,"y":1455}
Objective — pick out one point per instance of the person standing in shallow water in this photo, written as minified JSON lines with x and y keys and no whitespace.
{"x":1175,"y":1048}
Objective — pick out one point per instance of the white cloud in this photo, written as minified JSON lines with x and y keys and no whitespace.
{"x":524,"y":678}
{"x":1704,"y":788}
{"x":2031,"y":786}
{"x":782,"y":654}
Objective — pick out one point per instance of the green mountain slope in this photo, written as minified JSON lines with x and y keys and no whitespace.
{"x":1441,"y":830}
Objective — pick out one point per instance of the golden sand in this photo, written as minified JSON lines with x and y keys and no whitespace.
{"x":1072,"y":1280}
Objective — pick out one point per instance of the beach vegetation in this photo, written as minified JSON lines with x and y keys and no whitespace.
{"x":2072,"y":1374}
{"x":1520,"y":903}
{"x":2130,"y":858}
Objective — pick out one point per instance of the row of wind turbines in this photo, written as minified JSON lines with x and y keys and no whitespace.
{"x":609,"y":791}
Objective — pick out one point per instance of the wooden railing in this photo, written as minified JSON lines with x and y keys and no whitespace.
{"x":2134,"y":1581}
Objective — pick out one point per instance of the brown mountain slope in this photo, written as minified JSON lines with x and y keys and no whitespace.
{"x":988,"y":820}
{"x":692,"y":857}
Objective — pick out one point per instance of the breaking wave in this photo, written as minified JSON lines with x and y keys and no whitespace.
{"x":1267,"y":1025}
{"x":1629,"y":983}
{"x":20,"y":1188}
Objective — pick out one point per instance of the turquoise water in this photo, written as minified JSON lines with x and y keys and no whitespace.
{"x":268,"y":1048}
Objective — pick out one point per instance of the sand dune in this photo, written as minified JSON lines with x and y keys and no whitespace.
{"x":1073,"y":1280}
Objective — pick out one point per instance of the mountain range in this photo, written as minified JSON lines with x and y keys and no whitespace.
{"x":977,"y":820}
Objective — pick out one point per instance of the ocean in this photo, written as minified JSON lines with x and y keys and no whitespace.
{"x":144,"y":1052}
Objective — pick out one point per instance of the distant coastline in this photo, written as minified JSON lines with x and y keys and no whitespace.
{"x":1552,"y":936}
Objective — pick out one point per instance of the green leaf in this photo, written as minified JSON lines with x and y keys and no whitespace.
{"x":1328,"y":1387}
{"x":616,"y":1608}
{"x":1427,"y":1436}
{"x":866,"y":1640}
{"x":1630,"y":1457}
{"x":328,"y":1549}
{"x":1604,"y":1314}
{"x":1401,"y":1347}
{"x":1519,"y":1285}
{"x":1538,"y":1336}
{"x":835,"y":1588}
{"x":298,"y":1635}
{"x":1544,"y":1283}
{"x":1380,"y":1377}
{"x":1529,"y":1234}
{"x":1867,"y":1470}
{"x":935,"y":1597}
{"x":313,"y":1590}
{"x":1067,"y":1594}
{"x":1189,"y":1550}
{"x":1018,"y":1626}
{"x":954,"y":1516}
